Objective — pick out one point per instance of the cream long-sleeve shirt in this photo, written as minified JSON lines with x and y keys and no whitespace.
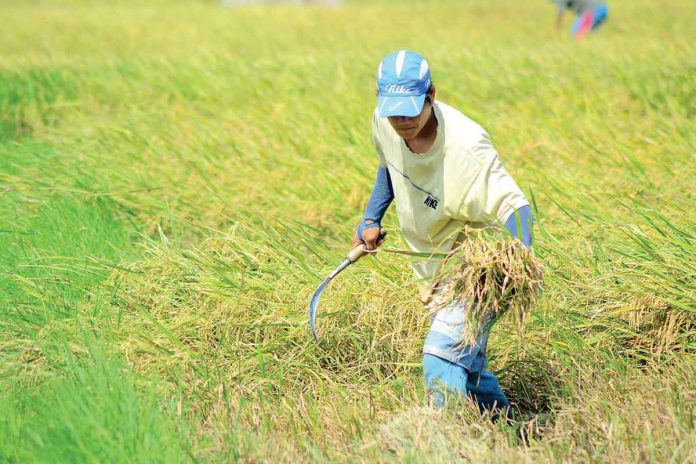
{"x":460,"y":181}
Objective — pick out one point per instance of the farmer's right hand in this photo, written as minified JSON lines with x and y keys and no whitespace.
{"x":372,"y":237}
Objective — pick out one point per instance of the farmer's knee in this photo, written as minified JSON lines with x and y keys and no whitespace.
{"x":443,"y":378}
{"x":485,"y":389}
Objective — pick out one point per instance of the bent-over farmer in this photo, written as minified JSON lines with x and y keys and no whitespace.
{"x":443,"y":172}
{"x":591,"y":15}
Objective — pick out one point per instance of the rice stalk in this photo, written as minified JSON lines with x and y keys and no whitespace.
{"x":494,"y":278}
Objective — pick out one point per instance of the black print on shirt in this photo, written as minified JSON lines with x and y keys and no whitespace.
{"x":431,"y":202}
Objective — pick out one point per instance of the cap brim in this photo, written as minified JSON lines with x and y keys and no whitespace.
{"x":400,"y":106}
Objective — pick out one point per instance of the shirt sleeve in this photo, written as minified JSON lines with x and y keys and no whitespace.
{"x":493,"y":195}
{"x":519,"y":224}
{"x":381,"y":197}
{"x":375,"y":139}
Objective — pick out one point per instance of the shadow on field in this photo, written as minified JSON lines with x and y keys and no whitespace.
{"x":532,"y":386}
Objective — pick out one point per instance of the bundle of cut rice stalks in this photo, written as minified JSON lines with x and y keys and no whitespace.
{"x":493,"y":278}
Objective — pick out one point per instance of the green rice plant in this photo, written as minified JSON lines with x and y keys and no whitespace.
{"x":177,"y":177}
{"x":92,"y":414}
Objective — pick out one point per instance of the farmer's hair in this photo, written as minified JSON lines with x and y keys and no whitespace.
{"x":431,"y":90}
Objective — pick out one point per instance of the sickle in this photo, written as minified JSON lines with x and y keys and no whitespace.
{"x":357,"y":253}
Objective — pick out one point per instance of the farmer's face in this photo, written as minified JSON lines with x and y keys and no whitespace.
{"x":410,"y":126}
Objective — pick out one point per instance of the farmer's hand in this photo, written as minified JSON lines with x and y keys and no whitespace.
{"x":372,"y":237}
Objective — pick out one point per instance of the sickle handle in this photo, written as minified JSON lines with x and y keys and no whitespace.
{"x":357,"y":253}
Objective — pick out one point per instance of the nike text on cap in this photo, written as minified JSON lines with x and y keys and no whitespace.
{"x":403,"y":80}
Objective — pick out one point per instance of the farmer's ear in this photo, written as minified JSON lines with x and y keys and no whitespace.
{"x":430,"y":96}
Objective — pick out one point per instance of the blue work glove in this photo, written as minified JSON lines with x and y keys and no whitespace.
{"x":366,"y":224}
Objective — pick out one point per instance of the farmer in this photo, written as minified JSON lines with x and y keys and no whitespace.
{"x":444,"y":173}
{"x":591,"y":15}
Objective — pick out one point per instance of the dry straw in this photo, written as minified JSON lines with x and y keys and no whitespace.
{"x":493,"y":278}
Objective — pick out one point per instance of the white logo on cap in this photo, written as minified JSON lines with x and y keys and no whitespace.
{"x":395,"y":106}
{"x":400,"y":62}
{"x":396,"y":88}
{"x":423,"y":69}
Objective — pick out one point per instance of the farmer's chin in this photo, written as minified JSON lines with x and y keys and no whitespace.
{"x":407,"y":133}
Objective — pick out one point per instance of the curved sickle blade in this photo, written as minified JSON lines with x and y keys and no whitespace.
{"x":317,"y":294}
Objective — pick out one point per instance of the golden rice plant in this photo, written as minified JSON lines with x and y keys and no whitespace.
{"x":493,"y":278}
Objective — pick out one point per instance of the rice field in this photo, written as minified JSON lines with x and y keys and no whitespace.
{"x":176,"y":178}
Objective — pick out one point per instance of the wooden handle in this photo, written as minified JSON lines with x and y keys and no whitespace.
{"x":357,"y":253}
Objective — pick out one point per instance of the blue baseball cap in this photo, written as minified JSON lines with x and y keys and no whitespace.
{"x":403,"y":80}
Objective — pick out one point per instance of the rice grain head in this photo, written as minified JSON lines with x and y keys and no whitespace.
{"x":494,"y":278}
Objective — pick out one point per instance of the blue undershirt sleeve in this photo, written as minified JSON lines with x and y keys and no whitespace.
{"x":523,"y":227}
{"x":380,"y":199}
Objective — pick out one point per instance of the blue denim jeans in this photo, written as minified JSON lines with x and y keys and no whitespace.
{"x":455,"y":368}
{"x":445,"y":378}
{"x":447,"y":337}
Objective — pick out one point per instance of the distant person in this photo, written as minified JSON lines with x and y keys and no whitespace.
{"x":278,"y":2}
{"x":591,"y":15}
{"x":444,"y":174}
